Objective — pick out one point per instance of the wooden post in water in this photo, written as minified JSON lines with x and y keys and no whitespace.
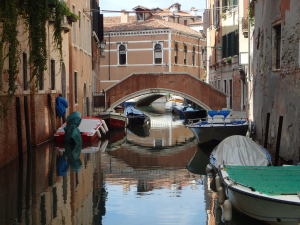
{"x":267,"y":131}
{"x":278,"y":140}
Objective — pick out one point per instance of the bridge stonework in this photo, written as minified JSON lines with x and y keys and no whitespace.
{"x":184,"y":84}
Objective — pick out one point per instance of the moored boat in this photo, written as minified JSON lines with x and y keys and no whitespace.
{"x":136,"y":117}
{"x":268,"y":193}
{"x":90,"y":129}
{"x":219,"y":125}
{"x":114,"y":120}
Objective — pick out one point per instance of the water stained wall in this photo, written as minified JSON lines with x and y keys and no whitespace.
{"x":277,"y":90}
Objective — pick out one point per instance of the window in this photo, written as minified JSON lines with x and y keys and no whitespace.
{"x":225,"y":86}
{"x":176,"y":53}
{"x":193,"y":56}
{"x":122,"y":54}
{"x":185,"y":55}
{"x":52,"y":74}
{"x":158,"y":54}
{"x":75,"y":87}
{"x":41,"y":80}
{"x":185,"y":22}
{"x":25,"y":78}
{"x":230,"y":44}
{"x":276,"y":46}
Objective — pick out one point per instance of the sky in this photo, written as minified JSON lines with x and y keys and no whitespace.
{"x":186,"y":5}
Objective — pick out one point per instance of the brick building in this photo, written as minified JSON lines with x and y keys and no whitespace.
{"x":28,"y":117}
{"x":149,"y":42}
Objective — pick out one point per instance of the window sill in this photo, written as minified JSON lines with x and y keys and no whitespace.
{"x":41,"y":92}
{"x":276,"y":70}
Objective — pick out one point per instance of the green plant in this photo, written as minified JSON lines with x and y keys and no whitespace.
{"x":36,"y":14}
{"x":229,"y":60}
{"x":8,"y":20}
{"x":251,"y":13}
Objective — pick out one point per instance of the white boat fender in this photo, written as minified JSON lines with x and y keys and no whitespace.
{"x":102,"y":129}
{"x":218,"y":181}
{"x":221,"y":195}
{"x":227,"y":210}
{"x":105,"y":126}
{"x":209,"y":169}
{"x":98,"y":133}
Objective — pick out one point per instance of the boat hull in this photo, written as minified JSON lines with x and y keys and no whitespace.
{"x":115,"y":120}
{"x":262,"y":209}
{"x":206,"y":134}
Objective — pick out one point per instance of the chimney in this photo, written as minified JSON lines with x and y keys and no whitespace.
{"x":124,"y":16}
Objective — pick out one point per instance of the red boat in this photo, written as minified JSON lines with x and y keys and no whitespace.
{"x":114,"y":120}
{"x":90,"y":129}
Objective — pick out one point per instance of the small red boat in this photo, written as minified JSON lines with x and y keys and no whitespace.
{"x":90,"y":129}
{"x":114,"y":120}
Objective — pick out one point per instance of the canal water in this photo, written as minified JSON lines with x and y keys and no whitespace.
{"x":151,"y":176}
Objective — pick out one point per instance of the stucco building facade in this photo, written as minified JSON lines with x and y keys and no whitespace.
{"x":227,"y":50}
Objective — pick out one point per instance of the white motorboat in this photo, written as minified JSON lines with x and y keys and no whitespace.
{"x":265,"y":193}
{"x":245,"y":180}
{"x":219,"y":125}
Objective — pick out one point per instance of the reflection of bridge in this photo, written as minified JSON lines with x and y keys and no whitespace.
{"x":157,"y":84}
{"x":143,"y":157}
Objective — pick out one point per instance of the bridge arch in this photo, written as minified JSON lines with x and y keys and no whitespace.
{"x":182,"y":84}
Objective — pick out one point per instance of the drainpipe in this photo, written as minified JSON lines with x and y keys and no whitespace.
{"x":170,"y":58}
{"x":199,"y":60}
{"x":108,"y":55}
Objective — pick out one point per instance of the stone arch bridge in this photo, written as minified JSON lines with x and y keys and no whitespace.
{"x":182,"y":84}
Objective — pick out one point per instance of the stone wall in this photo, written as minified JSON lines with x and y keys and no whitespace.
{"x":277,"y":91}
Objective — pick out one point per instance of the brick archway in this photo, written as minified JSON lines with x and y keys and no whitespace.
{"x":182,"y":84}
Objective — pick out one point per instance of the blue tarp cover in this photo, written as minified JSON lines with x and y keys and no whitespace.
{"x":132,"y":110}
{"x":213,"y":113}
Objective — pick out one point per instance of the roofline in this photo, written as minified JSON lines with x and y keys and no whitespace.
{"x":164,"y":29}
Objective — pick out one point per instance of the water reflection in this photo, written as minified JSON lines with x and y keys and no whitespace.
{"x":123,"y":179}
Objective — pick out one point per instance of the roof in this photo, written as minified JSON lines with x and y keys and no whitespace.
{"x":110,"y":20}
{"x":151,"y":24}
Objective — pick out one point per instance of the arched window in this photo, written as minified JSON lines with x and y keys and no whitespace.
{"x":157,"y":54}
{"x":122,"y":54}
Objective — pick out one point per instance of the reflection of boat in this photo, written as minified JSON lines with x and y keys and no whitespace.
{"x":116,"y":138}
{"x":91,"y":147}
{"x":198,"y":163}
{"x":114,"y":120}
{"x":265,"y":193}
{"x":136,"y":117}
{"x":142,"y":131}
{"x":219,"y":125}
{"x":89,"y":127}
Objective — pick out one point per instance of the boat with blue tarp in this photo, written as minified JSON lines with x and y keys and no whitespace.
{"x":136,"y":117}
{"x":218,"y":125}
